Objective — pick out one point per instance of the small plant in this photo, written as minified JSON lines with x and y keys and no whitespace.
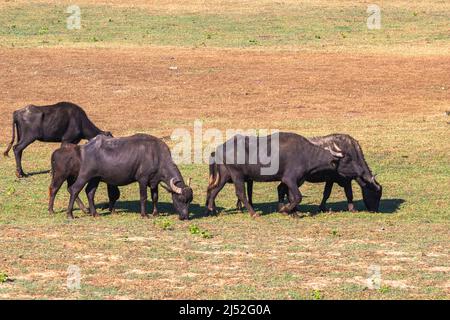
{"x":317,"y":36}
{"x":335,"y":233}
{"x":253,"y":41}
{"x":384,"y":289}
{"x":316,"y":295}
{"x":10,"y":191}
{"x":165,"y":224}
{"x":3,"y":277}
{"x":194,"y":229}
{"x":43,"y":30}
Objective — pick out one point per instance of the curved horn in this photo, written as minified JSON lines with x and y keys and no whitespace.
{"x":214,"y":183}
{"x":334,"y":153}
{"x":189,"y":182}
{"x":174,"y":187}
{"x":336,"y":147}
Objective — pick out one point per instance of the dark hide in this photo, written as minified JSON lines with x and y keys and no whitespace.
{"x":139,"y":158}
{"x":65,"y":167}
{"x":298,"y":159}
{"x":62,"y":122}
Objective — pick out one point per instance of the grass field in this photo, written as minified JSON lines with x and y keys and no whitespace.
{"x":311,"y":67}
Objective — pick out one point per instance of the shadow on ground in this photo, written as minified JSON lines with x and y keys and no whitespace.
{"x":196,"y":211}
{"x":387,"y":206}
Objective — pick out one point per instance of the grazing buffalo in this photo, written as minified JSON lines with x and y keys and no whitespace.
{"x":120,"y":161}
{"x":244,"y":160}
{"x":62,"y":122}
{"x":351,"y":167}
{"x":66,"y":163}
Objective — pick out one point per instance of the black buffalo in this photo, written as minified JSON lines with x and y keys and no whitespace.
{"x":120,"y":161}
{"x":351,"y":167}
{"x":62,"y":122}
{"x":66,"y":163}
{"x":297,"y":159}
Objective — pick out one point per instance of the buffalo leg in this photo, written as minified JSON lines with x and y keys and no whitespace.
{"x":143,"y":195}
{"x":154,"y":192}
{"x":249,"y":194}
{"x":113,"y":195}
{"x":349,"y":194}
{"x":70,"y":182}
{"x":240,"y":193}
{"x":211,"y":205}
{"x":55,"y":185}
{"x":282,"y":190}
{"x":18,"y":150}
{"x":326,"y":195}
{"x":74,"y":191}
{"x":91,"y":188}
{"x":295,"y":196}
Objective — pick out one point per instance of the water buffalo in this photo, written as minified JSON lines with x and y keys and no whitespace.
{"x":296,"y":158}
{"x":120,"y":161}
{"x":66,"y":163}
{"x":62,"y":122}
{"x":351,"y":167}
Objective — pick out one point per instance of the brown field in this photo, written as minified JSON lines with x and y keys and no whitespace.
{"x":136,"y":90}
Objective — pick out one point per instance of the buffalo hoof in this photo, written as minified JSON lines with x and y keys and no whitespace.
{"x":51,"y":212}
{"x":70,"y":216}
{"x":95,"y":215}
{"x":145,"y":216}
{"x":285,"y":209}
{"x":351,"y":207}
{"x":254,"y":215}
{"x":20,"y":174}
{"x":155,"y":213}
{"x":280,"y":207}
{"x":295,"y":215}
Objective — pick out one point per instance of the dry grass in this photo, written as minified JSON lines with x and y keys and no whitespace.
{"x":236,"y":6}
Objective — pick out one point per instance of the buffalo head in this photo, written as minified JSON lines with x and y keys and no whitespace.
{"x":372,"y":192}
{"x":181,"y":196}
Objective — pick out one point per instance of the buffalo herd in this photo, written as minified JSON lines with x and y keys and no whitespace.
{"x":147,"y":160}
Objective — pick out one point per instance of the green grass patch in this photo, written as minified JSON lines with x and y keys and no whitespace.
{"x":305,"y":26}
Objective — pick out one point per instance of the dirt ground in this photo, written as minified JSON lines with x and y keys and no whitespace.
{"x":127,"y":90}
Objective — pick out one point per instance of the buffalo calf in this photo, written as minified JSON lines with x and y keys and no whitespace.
{"x":65,"y":167}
